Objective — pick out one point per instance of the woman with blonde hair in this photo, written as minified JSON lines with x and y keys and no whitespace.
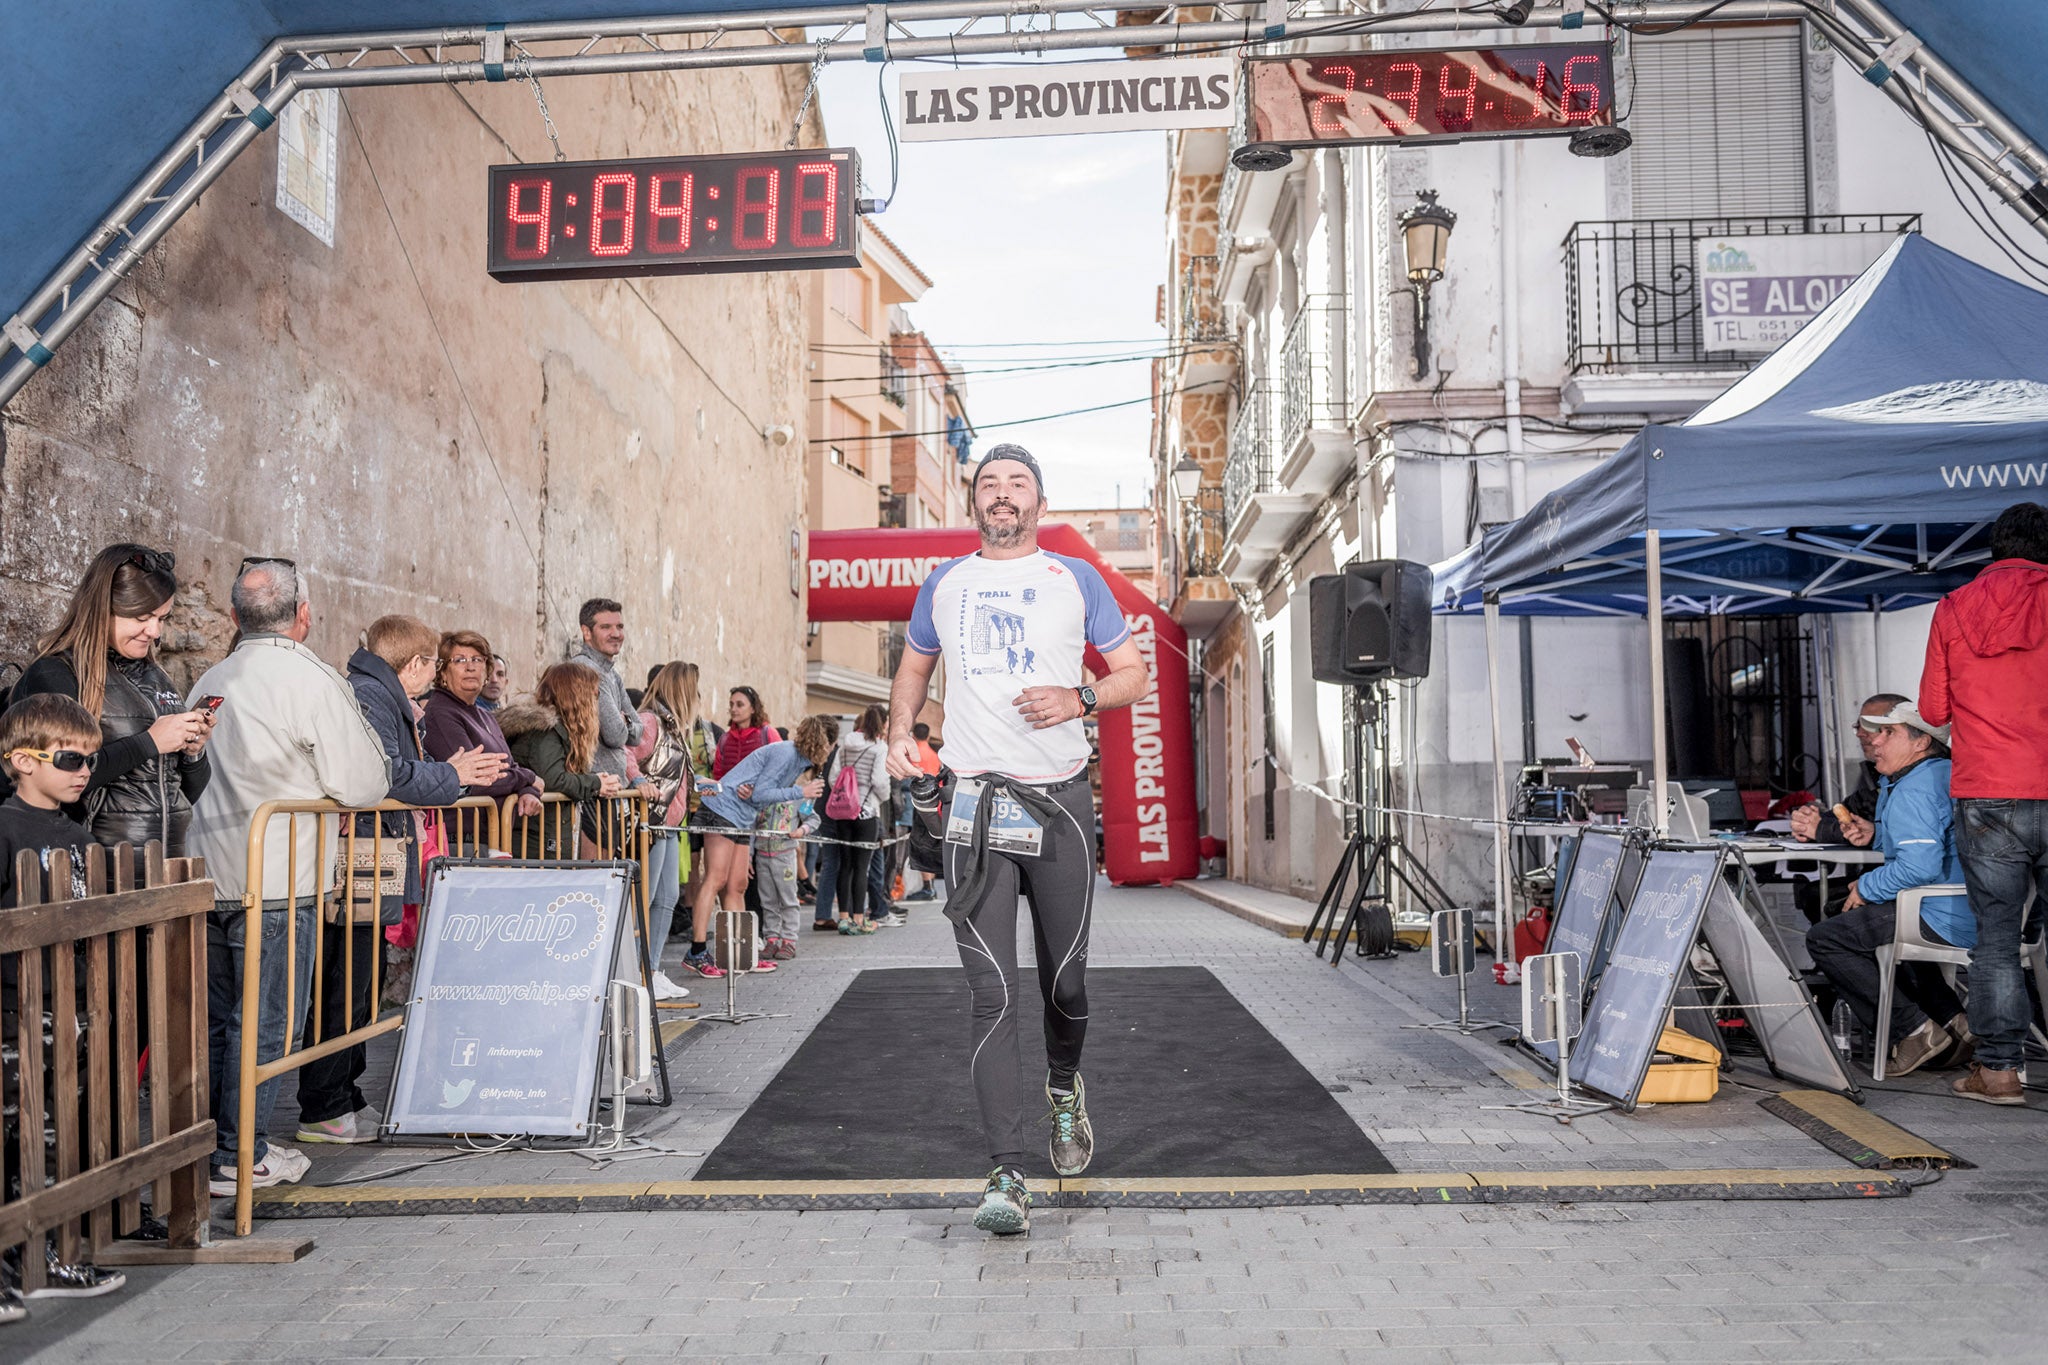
{"x":102,"y":654}
{"x":665,"y":757}
{"x":555,"y":735}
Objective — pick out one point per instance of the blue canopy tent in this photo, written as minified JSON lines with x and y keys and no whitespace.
{"x":1854,"y":469}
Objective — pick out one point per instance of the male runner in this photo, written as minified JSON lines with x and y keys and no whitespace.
{"x":1016,"y":805}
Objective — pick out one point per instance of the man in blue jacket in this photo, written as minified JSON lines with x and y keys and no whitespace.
{"x":1916,"y":830}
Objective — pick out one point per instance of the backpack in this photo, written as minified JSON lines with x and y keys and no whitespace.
{"x":844,"y":803}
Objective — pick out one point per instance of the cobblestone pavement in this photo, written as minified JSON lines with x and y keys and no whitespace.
{"x":1948,"y":1273}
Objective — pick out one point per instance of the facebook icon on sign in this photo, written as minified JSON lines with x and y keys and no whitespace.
{"x":465,"y":1052}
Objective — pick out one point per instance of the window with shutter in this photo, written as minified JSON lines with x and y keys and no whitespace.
{"x":1719,"y":123}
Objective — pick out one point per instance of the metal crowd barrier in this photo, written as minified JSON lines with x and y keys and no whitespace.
{"x":348,"y":891}
{"x":350,"y":895}
{"x":143,"y":1012}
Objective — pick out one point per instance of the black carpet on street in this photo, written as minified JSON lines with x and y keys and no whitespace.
{"x":1182,"y":1082}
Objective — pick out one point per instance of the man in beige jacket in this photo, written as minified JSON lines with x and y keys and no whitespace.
{"x":288,"y":729}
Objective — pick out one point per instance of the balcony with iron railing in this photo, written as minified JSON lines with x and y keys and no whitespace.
{"x":1632,"y":299}
{"x":1202,"y":532}
{"x":895,"y":379}
{"x":1248,"y":467}
{"x":1201,"y":312}
{"x":1313,"y":438}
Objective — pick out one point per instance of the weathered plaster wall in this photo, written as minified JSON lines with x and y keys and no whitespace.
{"x":250,"y":390}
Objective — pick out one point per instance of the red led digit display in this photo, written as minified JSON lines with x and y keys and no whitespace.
{"x":1403,"y":95}
{"x":674,"y":215}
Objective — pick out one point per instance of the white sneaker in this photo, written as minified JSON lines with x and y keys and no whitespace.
{"x":281,"y":1165}
{"x":892,"y":921}
{"x":665,"y":989}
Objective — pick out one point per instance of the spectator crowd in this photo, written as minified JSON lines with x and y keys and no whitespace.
{"x":98,"y":746}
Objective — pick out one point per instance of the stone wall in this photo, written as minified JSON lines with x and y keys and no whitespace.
{"x":421,"y":438}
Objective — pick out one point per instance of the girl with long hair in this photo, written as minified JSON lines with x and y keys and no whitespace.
{"x":669,"y":706}
{"x":861,"y":753}
{"x":772,"y":773}
{"x":152,"y":763}
{"x":555,"y":735}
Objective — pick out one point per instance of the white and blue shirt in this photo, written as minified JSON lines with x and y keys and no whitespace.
{"x":1005,"y":625}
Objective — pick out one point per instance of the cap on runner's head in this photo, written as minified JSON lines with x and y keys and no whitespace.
{"x":1018,"y":453}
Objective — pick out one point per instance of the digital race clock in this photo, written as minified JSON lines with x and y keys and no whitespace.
{"x":583,"y":220}
{"x":1401,"y":95}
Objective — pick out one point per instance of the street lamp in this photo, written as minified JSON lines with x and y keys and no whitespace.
{"x":1426,"y":238}
{"x":1187,"y":478}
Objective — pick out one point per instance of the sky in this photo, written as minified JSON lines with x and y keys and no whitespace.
{"x":1030,"y":240}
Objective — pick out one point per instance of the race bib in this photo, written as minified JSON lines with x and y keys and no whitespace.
{"x":1010,"y":827}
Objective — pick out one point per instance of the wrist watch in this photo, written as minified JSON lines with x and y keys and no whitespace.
{"x":1087,"y":695}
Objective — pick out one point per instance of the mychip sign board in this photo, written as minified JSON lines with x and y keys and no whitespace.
{"x":504,"y":1028}
{"x":1757,"y":291}
{"x":1629,"y":1005}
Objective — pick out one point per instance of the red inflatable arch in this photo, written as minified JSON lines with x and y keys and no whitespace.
{"x":1148,"y":767}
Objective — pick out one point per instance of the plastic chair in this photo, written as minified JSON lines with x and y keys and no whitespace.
{"x":1911,"y":944}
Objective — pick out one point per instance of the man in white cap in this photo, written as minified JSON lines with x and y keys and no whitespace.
{"x":1915,"y":827}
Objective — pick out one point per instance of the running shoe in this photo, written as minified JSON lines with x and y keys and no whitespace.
{"x":762,"y":966}
{"x":1005,"y":1204}
{"x":893,"y":920}
{"x":350,"y":1129}
{"x":781,"y":949}
{"x":1073,"y":1137}
{"x":702,"y":965}
{"x":63,"y":1280}
{"x":665,"y":989}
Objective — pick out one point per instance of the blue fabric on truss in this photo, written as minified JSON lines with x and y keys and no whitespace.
{"x":1920,"y":397}
{"x":92,"y":93}
{"x":1999,"y":46}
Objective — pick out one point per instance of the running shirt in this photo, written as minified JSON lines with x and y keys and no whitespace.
{"x":1005,"y":625}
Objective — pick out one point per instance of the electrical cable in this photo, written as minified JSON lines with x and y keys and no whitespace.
{"x":632,"y":287}
{"x":448,"y":354}
{"x":991,"y":426}
{"x":1995,"y":233}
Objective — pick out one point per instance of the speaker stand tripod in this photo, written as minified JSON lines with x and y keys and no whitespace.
{"x":1377,"y":852}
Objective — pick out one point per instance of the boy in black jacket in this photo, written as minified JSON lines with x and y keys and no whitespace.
{"x":49,"y":745}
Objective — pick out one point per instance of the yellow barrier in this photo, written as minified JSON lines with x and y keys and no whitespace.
{"x":348,"y":894}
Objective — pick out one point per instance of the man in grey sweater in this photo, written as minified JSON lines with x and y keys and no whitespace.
{"x":618,"y":723}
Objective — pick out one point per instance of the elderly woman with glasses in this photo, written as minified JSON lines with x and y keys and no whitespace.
{"x":102,"y":654}
{"x":456,"y":722}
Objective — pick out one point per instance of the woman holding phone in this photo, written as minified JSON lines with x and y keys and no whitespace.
{"x":102,"y":654}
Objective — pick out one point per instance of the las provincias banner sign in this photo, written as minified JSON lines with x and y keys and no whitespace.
{"x":1076,"y":97}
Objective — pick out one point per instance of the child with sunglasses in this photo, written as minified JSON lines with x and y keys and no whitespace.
{"x":50,"y":745}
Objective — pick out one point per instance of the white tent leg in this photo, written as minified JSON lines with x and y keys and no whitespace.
{"x":1503,"y":900}
{"x":1660,"y":763}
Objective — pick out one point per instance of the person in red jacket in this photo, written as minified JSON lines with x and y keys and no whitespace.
{"x":748,"y":731}
{"x":1987,"y":676}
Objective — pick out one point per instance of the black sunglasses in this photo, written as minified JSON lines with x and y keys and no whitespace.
{"x":152,"y":561}
{"x":265,"y":559}
{"x":63,"y":760}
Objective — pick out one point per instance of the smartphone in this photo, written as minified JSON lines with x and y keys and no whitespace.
{"x":210,"y":704}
